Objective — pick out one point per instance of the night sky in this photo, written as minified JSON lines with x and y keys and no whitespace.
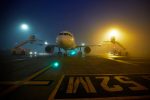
{"x":88,"y":20}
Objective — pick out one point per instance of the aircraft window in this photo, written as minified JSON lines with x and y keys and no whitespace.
{"x":68,"y":34}
{"x":60,"y":33}
{"x":65,"y":33}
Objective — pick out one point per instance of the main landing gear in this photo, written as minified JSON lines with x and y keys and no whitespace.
{"x":80,"y":52}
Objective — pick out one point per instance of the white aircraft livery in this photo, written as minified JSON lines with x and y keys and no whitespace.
{"x":66,"y":41}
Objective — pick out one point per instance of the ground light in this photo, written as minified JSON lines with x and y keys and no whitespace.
{"x":55,"y":64}
{"x":73,"y":53}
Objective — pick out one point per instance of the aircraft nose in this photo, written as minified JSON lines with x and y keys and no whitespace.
{"x":61,"y":41}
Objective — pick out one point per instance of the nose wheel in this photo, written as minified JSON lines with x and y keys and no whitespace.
{"x":59,"y":53}
{"x":80,"y":54}
{"x":65,"y":55}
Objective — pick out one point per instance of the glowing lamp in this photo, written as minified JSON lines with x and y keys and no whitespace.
{"x":24,"y":27}
{"x":55,"y":64}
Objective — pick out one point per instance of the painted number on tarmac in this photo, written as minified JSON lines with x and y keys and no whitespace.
{"x":100,"y":86}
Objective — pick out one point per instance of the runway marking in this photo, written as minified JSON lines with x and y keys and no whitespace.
{"x":25,"y":83}
{"x":12,"y":88}
{"x":121,"y":61}
{"x":73,"y":85}
{"x":146,"y":77}
{"x":145,"y":74}
{"x":111,"y":98}
{"x":105,"y":86}
{"x":51,"y":97}
{"x":102,"y":86}
{"x":126,"y":80}
{"x":18,"y":59}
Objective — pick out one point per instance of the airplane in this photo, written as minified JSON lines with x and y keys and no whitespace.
{"x":66,"y":41}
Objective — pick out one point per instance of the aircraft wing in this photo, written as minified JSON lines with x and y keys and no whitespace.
{"x":50,"y":48}
{"x":87,"y":48}
{"x":52,"y":45}
{"x":90,"y":45}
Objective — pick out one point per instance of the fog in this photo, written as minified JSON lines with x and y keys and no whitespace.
{"x":135,"y":40}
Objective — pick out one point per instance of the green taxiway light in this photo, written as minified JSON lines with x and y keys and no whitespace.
{"x":55,"y":64}
{"x":73,"y":52}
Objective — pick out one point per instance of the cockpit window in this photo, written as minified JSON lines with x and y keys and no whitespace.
{"x":60,"y":33}
{"x":65,"y":34}
{"x":68,"y":34}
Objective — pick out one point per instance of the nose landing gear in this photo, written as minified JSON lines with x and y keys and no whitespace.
{"x":65,"y":54}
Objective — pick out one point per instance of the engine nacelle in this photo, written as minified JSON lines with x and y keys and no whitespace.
{"x":87,"y":50}
{"x":49,"y":49}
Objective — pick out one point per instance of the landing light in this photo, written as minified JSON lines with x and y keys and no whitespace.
{"x":46,"y":43}
{"x":30,"y":53}
{"x":35,"y":53}
{"x":83,"y":44}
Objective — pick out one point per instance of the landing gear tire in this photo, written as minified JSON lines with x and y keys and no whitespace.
{"x":23,"y":53}
{"x":13,"y":53}
{"x":65,"y":55}
{"x":80,"y":54}
{"x":59,"y":53}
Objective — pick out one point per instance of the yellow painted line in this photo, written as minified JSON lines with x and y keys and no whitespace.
{"x":25,"y":83}
{"x":126,"y":62}
{"x":121,"y":61}
{"x":36,"y":83}
{"x":112,"y":98}
{"x":109,"y":74}
{"x":10,"y":83}
{"x":52,"y":95}
{"x":37,"y":73}
{"x":26,"y":79}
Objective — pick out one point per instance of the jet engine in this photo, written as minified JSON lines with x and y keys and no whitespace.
{"x":49,"y":49}
{"x":87,"y":50}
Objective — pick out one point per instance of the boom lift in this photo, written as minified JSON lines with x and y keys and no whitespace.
{"x":18,"y":50}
